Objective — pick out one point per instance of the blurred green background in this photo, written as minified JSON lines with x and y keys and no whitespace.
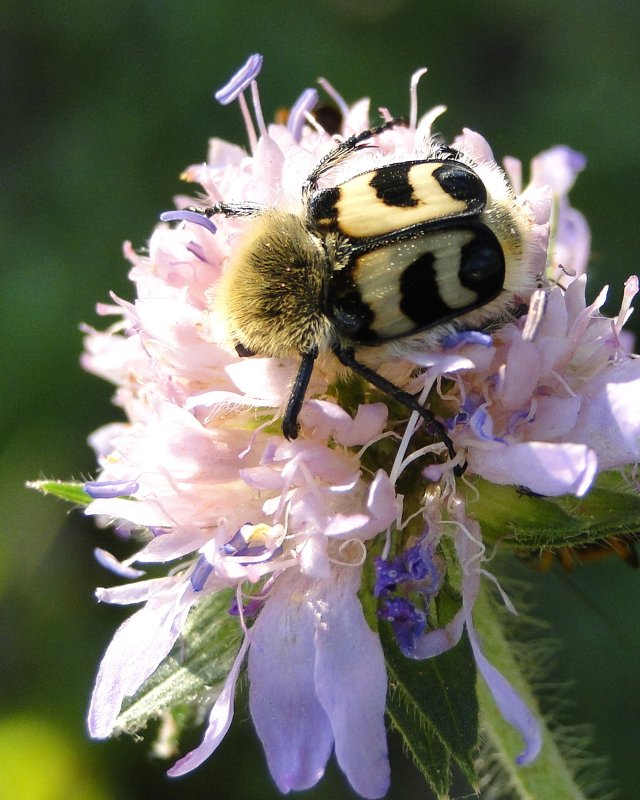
{"x":104,"y":103}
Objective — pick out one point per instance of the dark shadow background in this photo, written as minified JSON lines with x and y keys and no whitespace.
{"x":104,"y":103}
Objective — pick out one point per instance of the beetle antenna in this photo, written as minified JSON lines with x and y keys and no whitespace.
{"x":227,"y":209}
{"x":342,"y":149}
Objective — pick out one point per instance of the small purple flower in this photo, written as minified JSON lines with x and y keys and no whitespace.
{"x":414,"y":566}
{"x":387,"y":575}
{"x":249,"y":610}
{"x":405,"y":585}
{"x":407,"y":621}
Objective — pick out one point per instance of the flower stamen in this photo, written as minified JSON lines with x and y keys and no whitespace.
{"x":413,"y":95}
{"x":337,"y":98}
{"x":300,"y":112}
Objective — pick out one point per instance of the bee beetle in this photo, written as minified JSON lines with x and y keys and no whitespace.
{"x":394,"y":257}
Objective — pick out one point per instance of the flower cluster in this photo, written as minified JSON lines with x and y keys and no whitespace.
{"x":202,"y":474}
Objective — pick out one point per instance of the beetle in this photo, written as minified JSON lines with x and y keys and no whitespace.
{"x":387,"y":261}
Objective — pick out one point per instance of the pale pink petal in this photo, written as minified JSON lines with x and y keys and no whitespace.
{"x":521,"y":375}
{"x":346,"y":525}
{"x":573,"y":242}
{"x":331,"y":467}
{"x":474,"y":145}
{"x":224,"y":154}
{"x":609,"y":419}
{"x":172,"y":544}
{"x":539,"y":201}
{"x":543,"y":467}
{"x":382,"y":501}
{"x":351,"y":682}
{"x":262,"y":478}
{"x":215,"y":402}
{"x":368,"y":423}
{"x":142,"y":514}
{"x":314,"y":560}
{"x":268,"y":160}
{"x":292,"y":725}
{"x":102,"y":439}
{"x":631,"y":288}
{"x":557,"y":167}
{"x":441,"y":363}
{"x":554,"y":417}
{"x":266,"y":378}
{"x":357,"y":117}
{"x":513,"y":169}
{"x":325,"y":419}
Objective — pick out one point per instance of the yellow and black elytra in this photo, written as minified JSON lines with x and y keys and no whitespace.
{"x":395,"y":257}
{"x":414,"y":273}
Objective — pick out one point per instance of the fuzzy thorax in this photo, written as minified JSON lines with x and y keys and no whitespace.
{"x":271,"y":295}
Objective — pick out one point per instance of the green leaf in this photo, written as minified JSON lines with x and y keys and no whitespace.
{"x":549,"y":775}
{"x":611,"y":508}
{"x":428,"y":752}
{"x":433,"y":705}
{"x":194,"y":672}
{"x":71,"y":491}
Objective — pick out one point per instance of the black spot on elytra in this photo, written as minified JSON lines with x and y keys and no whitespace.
{"x":392,"y":185}
{"x":461,"y":183}
{"x":482,"y":267}
{"x":421,"y":300}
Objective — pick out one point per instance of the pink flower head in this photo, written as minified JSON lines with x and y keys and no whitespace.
{"x":202,"y":474}
{"x":551,"y":412}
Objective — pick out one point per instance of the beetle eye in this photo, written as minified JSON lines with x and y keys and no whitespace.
{"x":243,"y":351}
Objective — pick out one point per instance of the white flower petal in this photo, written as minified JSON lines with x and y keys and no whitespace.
{"x":146,"y":515}
{"x":138,"y":646}
{"x":131,"y":593}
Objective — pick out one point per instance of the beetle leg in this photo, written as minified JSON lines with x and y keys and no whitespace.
{"x":298,"y":391}
{"x":346,"y":356}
